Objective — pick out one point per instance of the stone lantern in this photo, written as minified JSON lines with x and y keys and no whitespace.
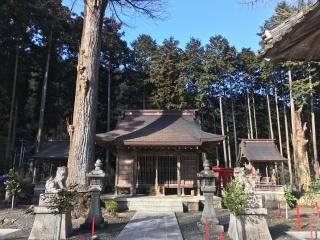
{"x":207,"y":179}
{"x":96,"y":180}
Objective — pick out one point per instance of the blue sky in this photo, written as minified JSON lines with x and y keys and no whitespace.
{"x":238,"y":22}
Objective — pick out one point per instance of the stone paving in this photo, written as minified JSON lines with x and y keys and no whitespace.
{"x":4,"y":233}
{"x":152,"y":226}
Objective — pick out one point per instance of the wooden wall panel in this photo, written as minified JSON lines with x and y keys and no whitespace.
{"x":125,"y":171}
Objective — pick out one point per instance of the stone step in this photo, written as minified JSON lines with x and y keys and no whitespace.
{"x":156,"y":204}
{"x":156,"y":208}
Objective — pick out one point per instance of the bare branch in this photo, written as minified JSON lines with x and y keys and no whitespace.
{"x":154,"y":9}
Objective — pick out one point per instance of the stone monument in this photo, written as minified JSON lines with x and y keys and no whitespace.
{"x":45,"y":222}
{"x":96,"y":181}
{"x":208,"y":187}
{"x":251,"y":225}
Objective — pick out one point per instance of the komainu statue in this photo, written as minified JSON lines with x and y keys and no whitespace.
{"x":53,"y":185}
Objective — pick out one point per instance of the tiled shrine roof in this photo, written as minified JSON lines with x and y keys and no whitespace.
{"x":297,"y":38}
{"x":260,"y":150}
{"x":158,"y":128}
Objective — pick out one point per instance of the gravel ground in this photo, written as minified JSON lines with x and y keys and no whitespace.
{"x":278,"y":225}
{"x":17,"y":218}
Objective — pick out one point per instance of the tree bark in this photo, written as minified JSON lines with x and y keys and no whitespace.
{"x":303,"y":170}
{"x":250,"y":117}
{"x":293,"y":124}
{"x":269,"y":117}
{"x":12,"y":107}
{"x":234,"y":131}
{"x":228,"y":145}
{"x":314,"y":132}
{"x":288,"y":143}
{"x":254,"y":117}
{"x":223,"y":133}
{"x":44,"y":94}
{"x":82,"y":131}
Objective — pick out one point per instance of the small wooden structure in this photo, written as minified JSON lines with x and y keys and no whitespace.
{"x":260,"y":158}
{"x":298,"y":38}
{"x":52,"y":154}
{"x":158,"y":150}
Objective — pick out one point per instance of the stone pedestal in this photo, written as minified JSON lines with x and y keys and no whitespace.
{"x":251,"y":225}
{"x":45,"y":222}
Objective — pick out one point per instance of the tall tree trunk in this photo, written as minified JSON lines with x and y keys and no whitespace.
{"x":217,"y":149}
{"x":313,"y":131}
{"x":234,"y":131}
{"x":250,"y":117}
{"x":303,"y":170}
{"x":223,"y":133}
{"x":14,"y":130}
{"x":269,"y":117}
{"x":278,"y":120}
{"x":288,"y":143}
{"x":44,"y":93}
{"x":254,"y":117}
{"x":228,"y":145}
{"x":107,"y":163}
{"x":12,"y":107}
{"x":293,"y":123}
{"x":82,"y":131}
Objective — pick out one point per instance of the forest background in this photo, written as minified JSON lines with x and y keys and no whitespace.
{"x":235,"y":91}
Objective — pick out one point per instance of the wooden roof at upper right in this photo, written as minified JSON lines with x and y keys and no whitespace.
{"x":296,"y":39}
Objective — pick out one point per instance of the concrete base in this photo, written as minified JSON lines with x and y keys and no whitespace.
{"x":213,"y":228}
{"x":45,"y":222}
{"x":248,"y":227}
{"x":155,"y":226}
{"x":304,"y":234}
{"x":7,"y":231}
{"x":161,"y":203}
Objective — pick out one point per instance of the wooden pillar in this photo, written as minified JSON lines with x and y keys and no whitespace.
{"x":198,"y":181}
{"x":116,"y":174}
{"x":133,"y":189}
{"x":179,"y":174}
{"x":34,"y":174}
{"x":157,"y":173}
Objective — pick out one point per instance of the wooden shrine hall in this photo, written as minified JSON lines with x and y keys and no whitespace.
{"x":260,"y":158}
{"x":158,"y":150}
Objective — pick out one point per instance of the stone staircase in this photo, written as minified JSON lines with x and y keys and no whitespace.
{"x":154,"y":205}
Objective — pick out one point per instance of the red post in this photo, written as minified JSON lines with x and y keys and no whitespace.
{"x":310,"y":224}
{"x":80,"y":237}
{"x":207,"y":229}
{"x":221,"y":234}
{"x":298,"y":217}
{"x":92,"y":229}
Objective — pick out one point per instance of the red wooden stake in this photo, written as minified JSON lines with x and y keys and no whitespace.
{"x":207,"y":229}
{"x":221,"y":235}
{"x":310,"y":224}
{"x":80,"y":237}
{"x":298,"y":217}
{"x":92,"y":229}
